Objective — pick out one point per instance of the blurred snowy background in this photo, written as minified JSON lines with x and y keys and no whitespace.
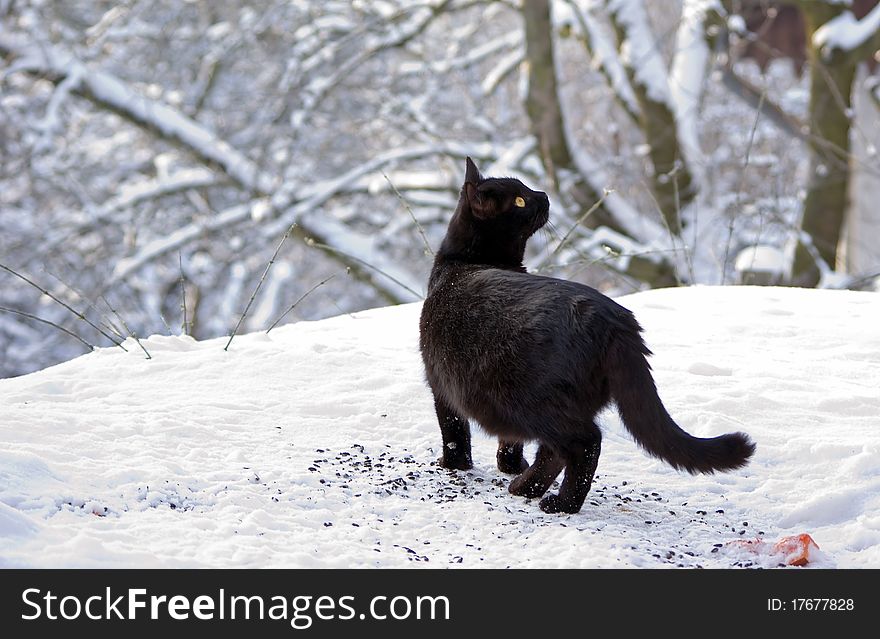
{"x":153,"y":154}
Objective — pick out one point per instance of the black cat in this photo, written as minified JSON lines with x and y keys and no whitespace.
{"x":535,"y":358}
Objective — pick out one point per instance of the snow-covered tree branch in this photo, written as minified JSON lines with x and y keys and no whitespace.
{"x":155,"y":152}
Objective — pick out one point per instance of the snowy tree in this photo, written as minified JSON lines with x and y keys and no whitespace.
{"x":153,"y":154}
{"x":838,"y":44}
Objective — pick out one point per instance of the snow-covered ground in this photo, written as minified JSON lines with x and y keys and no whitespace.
{"x":313,"y":446}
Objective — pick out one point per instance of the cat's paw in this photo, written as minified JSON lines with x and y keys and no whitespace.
{"x":555,"y":504}
{"x":458,"y":462}
{"x":512,"y":465}
{"x":522,"y":487}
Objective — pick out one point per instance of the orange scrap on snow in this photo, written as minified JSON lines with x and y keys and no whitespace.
{"x":795,"y":549}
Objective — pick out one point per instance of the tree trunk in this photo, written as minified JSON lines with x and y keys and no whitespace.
{"x":548,"y":126}
{"x":545,"y":113}
{"x":860,"y":247}
{"x":826,"y":202}
{"x":672,"y":182}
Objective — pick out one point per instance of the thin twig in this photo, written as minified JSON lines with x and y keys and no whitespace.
{"x":301,"y":298}
{"x":612,"y":255}
{"x":45,"y":321}
{"x":742,"y":180}
{"x":106,"y":321}
{"x":333,"y":249}
{"x":260,"y":283}
{"x":688,"y":258}
{"x":410,"y":211}
{"x":165,"y":322}
{"x":182,"y":293}
{"x":130,"y":332}
{"x":580,"y":221}
{"x":76,"y":313}
{"x":665,"y":222}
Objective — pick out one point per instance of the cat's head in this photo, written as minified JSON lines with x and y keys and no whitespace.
{"x":495,"y":218}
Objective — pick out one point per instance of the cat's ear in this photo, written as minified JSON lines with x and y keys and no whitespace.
{"x":472,"y":173}
{"x":481,"y":206}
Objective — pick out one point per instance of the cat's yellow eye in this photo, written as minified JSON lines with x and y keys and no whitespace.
{"x":519,"y":202}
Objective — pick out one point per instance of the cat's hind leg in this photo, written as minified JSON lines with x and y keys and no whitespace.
{"x":456,"y":433}
{"x":536,"y":479}
{"x":581,"y":458}
{"x":510,"y":457}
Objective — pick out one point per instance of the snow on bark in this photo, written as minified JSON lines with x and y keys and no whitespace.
{"x":334,"y":237}
{"x":846,"y":33}
{"x":132,"y":194}
{"x":301,"y":204}
{"x":861,"y":252}
{"x":506,"y":65}
{"x":688,"y":74}
{"x":639,"y":49}
{"x":638,"y":226}
{"x":672,"y":182}
{"x":399,"y":35}
{"x":602,"y":52}
{"x":115,"y":94}
{"x":51,"y":122}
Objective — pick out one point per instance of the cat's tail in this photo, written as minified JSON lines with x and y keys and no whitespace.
{"x":645,"y":417}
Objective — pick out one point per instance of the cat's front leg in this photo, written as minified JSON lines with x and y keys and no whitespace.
{"x":510,"y":457}
{"x":456,"y":433}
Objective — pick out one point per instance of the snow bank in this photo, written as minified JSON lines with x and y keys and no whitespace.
{"x":313,"y":447}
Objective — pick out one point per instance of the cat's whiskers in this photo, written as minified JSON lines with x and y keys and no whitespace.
{"x":550,"y":229}
{"x":551,"y":236}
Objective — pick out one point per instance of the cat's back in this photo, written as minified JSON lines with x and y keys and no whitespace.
{"x":474,"y":307}
{"x":468,"y":289}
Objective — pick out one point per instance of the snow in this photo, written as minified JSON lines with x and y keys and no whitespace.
{"x":862,"y":254}
{"x":110,"y":90}
{"x":639,"y":49}
{"x":768,"y":259}
{"x":313,"y":446}
{"x":603,"y":52}
{"x":689,"y":71}
{"x":847,"y":33}
{"x":338,"y":238}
